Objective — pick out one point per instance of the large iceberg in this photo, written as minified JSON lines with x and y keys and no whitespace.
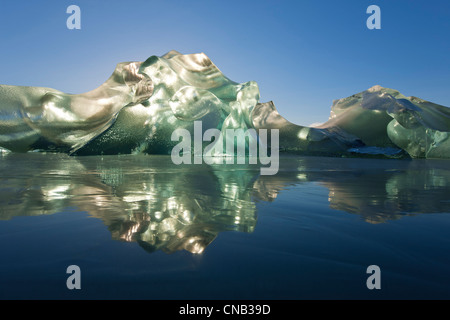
{"x":137,"y":109}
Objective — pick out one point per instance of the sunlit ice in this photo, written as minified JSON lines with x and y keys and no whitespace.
{"x":251,"y":145}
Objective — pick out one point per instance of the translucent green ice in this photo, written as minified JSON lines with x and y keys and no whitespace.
{"x":138,"y":108}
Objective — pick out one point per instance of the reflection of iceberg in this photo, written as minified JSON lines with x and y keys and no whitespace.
{"x":378,"y":190}
{"x":382,"y":190}
{"x":166,"y":207}
{"x":160,"y":205}
{"x":139,"y":107}
{"x":174,"y":208}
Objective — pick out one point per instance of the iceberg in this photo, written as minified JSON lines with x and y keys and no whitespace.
{"x":35,"y":118}
{"x":383,"y":117}
{"x":137,"y":109}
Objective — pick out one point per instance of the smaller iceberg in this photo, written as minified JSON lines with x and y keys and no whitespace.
{"x":383,"y":117}
{"x":378,"y":122}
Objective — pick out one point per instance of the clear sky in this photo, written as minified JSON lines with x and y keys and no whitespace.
{"x":302,"y":54}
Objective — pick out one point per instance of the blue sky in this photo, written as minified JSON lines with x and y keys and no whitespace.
{"x":302,"y":54}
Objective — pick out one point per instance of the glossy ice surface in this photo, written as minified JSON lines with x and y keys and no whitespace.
{"x":138,"y":108}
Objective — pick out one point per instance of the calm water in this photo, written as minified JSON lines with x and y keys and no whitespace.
{"x":140,"y":227}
